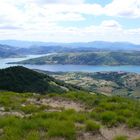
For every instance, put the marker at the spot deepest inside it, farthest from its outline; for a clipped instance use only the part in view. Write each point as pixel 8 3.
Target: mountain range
pixel 94 44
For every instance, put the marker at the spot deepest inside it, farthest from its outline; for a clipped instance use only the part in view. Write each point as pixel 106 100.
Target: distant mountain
pixel 7 51
pixel 93 58
pixel 26 44
pixel 21 79
pixel 87 45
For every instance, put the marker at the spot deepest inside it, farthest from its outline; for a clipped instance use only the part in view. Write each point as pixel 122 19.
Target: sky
pixel 70 20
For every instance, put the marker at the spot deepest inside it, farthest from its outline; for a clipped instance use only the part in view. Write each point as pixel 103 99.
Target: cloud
pixel 9 27
pixel 41 20
pixel 122 8
pixel 110 24
pixel 60 1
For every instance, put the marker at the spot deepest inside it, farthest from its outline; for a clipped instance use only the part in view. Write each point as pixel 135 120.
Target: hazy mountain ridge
pixel 10 48
pixel 7 51
pixel 93 44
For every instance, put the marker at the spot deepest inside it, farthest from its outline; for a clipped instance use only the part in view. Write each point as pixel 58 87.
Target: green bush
pixel 28 109
pixel 33 135
pixel 134 122
pixel 63 129
pixel 121 119
pixel 108 118
pixel 92 126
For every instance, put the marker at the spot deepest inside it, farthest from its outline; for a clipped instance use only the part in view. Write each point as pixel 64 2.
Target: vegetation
pixel 21 79
pixel 120 138
pixel 89 58
pixel 92 126
pixel 108 83
pixel 30 117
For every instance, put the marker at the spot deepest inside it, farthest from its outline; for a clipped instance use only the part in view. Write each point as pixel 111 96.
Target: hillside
pixel 70 116
pixel 108 83
pixel 93 58
pixel 21 79
pixel 7 51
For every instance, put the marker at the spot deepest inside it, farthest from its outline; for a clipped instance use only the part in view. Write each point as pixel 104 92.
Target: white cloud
pixel 38 20
pixel 122 8
pixel 110 24
pixel 59 1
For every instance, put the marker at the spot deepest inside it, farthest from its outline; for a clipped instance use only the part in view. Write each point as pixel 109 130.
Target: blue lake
pixel 69 68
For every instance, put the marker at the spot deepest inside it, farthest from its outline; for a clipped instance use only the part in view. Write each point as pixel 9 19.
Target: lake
pixel 68 68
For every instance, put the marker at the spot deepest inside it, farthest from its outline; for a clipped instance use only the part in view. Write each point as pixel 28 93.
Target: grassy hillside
pixel 70 116
pixel 93 58
pixel 109 83
pixel 21 79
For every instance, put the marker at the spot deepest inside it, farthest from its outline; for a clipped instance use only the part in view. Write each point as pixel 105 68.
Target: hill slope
pixel 21 79
pixel 7 51
pixel 70 116
pixel 108 83
pixel 93 58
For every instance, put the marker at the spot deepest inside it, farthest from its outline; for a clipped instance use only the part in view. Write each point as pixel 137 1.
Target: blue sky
pixel 70 20
pixel 101 2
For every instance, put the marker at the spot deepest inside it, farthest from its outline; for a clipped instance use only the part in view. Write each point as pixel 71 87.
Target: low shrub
pixel 92 126
pixel 108 118
pixel 64 129
pixel 120 138
pixel 133 122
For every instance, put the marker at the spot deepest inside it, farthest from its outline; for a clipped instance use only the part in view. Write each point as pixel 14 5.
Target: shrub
pixel 108 118
pixel 121 119
pixel 94 115
pixel 133 122
pixel 28 109
pixel 92 126
pixel 80 118
pixel 33 135
pixel 125 112
pixel 120 138
pixel 63 129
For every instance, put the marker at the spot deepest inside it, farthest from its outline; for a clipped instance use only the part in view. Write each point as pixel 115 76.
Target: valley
pixel 108 83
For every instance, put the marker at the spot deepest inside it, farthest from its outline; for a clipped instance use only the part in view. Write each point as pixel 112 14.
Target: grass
pixel 100 111
pixel 64 129
pixel 108 118
pixel 92 126
pixel 120 138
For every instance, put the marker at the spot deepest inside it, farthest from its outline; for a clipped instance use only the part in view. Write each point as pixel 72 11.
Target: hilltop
pixel 21 79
